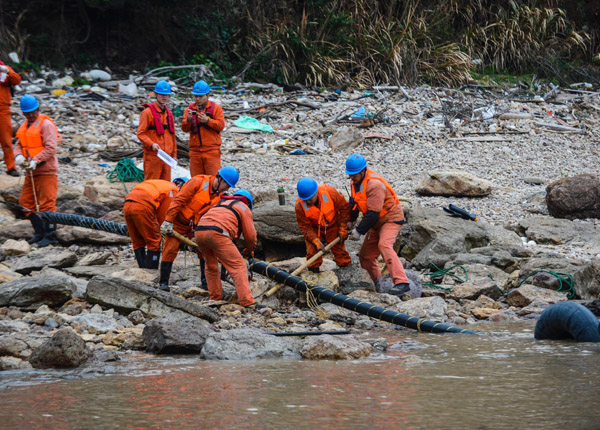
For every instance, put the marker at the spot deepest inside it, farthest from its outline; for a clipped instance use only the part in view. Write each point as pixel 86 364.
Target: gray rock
pixel 14 326
pixel 527 294
pixel 17 230
pixel 64 350
pixel 431 308
pixel 95 323
pixel 13 363
pixel 81 284
pixel 126 296
pixel 68 235
pixel 345 138
pixel 453 182
pixel 137 317
pixel 249 344
pixel 385 284
pixel 45 257
pixel 18 345
pixel 168 336
pixel 96 270
pixel 574 197
pixel 553 231
pixel 31 293
pixel 328 347
pixel 352 278
pixel 534 180
pixel 473 289
pixel 277 223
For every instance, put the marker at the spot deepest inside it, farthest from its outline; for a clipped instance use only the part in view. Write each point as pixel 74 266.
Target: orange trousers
pixel 171 244
pixel 382 242
pixel 143 227
pixel 155 168
pixel 6 141
pixel 46 189
pixel 205 162
pixel 215 248
pixel 340 255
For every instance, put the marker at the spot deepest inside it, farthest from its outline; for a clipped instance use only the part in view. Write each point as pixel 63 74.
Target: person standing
pixel 36 151
pixel 145 210
pixel 156 131
pixel 382 219
pixel 195 198
pixel 8 79
pixel 322 214
pixel 216 234
pixel 204 120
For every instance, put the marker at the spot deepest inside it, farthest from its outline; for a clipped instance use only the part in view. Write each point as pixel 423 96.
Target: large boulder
pixel 553 231
pixel 430 308
pixel 126 297
pixel 45 257
pixel 345 138
pixel 31 293
pixel 453 182
pixel 64 350
pixel 574 197
pixel 68 235
pixel 95 323
pixel 433 236
pixel 277 223
pixel 473 289
pixel 352 278
pixel 328 347
pixel 176 336
pixel 110 194
pixel 249 344
pixel 527 294
pixel 17 230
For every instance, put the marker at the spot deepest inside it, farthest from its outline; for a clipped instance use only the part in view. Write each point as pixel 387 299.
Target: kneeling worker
pixel 322 214
pixel 215 235
pixel 196 197
pixel 145 210
pixel 382 219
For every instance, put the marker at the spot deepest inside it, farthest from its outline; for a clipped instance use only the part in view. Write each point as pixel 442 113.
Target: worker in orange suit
pixel 156 131
pixel 382 219
pixel 195 198
pixel 8 79
pixel 322 214
pixel 216 234
pixel 204 120
pixel 145 210
pixel 36 151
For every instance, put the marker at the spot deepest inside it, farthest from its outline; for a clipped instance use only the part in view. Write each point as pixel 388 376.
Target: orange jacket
pixel 146 132
pixel 332 214
pixel 156 194
pixel 28 145
pixel 221 216
pixel 210 135
pixel 194 199
pixel 361 199
pixel 12 78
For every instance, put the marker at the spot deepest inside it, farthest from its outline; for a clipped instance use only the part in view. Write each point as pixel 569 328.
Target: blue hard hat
pixel 355 163
pixel 29 103
pixel 181 179
pixel 200 88
pixel 162 87
pixel 229 175
pixel 307 187
pixel 245 193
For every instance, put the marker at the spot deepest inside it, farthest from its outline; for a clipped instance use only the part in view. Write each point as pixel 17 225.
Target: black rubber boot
pixel 140 257
pixel 314 269
pixel 152 259
pixel 400 289
pixel 49 236
pixel 38 228
pixel 165 274
pixel 204 284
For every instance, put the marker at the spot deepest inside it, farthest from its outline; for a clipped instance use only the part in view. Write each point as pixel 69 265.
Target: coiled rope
pixel 565 280
pixel 440 273
pixel 125 171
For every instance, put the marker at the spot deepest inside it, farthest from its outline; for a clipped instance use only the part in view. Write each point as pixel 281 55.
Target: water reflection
pixel 424 381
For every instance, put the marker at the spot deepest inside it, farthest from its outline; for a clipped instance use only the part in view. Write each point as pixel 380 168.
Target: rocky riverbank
pixel 493 153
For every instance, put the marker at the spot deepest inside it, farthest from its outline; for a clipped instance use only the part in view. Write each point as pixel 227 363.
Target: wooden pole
pixel 184 239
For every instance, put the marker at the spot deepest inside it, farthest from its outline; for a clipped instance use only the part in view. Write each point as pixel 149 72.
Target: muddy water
pixel 423 381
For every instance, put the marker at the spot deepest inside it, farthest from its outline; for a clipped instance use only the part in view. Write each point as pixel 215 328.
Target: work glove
pixel 32 165
pixel 19 159
pixel 319 244
pixel 166 227
pixel 355 235
pixel 343 233
pixel 3 69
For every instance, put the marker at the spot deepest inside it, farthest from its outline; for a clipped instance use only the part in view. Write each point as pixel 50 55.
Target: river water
pixel 423 381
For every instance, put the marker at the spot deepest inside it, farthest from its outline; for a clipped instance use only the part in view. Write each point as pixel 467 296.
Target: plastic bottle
pixel 281 196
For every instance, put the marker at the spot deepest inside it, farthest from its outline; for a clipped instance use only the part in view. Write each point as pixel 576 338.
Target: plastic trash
pixel 103 164
pixel 167 159
pixel 216 87
pixel 99 75
pixel 250 123
pixel 14 57
pixel 298 152
pixel 58 92
pixel 130 89
pixel 359 113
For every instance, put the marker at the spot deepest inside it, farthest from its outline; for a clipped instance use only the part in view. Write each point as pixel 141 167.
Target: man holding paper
pixel 156 131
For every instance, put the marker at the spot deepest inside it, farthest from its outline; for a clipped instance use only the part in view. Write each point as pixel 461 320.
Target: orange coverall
pixel 144 214
pixel 6 132
pixel 217 247
pixel 182 224
pixel 45 174
pixel 205 148
pixel 154 167
pixel 381 237
pixel 325 234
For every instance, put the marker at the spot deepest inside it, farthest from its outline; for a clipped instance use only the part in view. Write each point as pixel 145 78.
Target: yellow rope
pixel 313 304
